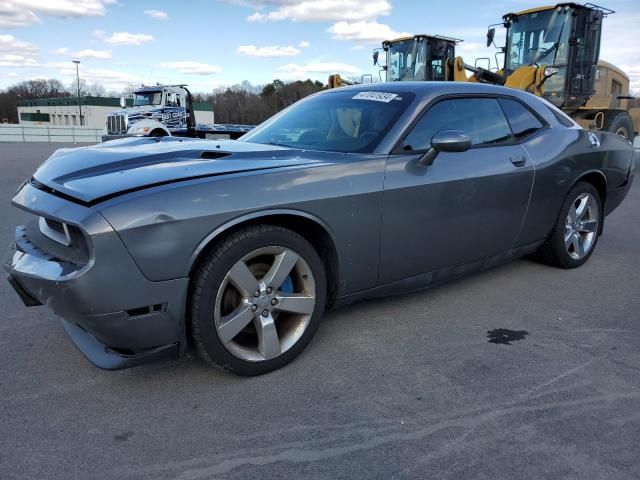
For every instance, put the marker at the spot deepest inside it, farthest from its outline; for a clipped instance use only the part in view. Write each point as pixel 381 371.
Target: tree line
pixel 242 103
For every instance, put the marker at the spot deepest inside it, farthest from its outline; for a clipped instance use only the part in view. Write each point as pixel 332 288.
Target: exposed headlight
pixel 56 231
pixel 66 235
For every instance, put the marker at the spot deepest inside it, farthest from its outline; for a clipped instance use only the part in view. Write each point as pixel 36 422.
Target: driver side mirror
pixel 446 141
pixel 491 33
pixel 376 54
pixel 123 102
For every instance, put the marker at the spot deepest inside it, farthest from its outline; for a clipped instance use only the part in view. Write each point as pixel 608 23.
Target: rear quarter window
pixel 560 117
pixel 523 123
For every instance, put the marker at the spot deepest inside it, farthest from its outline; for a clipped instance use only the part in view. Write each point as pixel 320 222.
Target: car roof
pixel 427 91
pixel 429 88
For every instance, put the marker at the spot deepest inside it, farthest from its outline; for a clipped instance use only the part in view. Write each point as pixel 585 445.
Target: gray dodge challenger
pixel 144 245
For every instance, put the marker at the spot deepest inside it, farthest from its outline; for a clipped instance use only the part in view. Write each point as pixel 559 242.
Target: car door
pixel 465 206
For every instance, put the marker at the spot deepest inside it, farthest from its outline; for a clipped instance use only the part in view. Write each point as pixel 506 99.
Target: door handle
pixel 518 161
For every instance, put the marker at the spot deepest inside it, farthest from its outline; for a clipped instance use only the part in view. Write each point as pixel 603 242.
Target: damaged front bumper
pixel 115 316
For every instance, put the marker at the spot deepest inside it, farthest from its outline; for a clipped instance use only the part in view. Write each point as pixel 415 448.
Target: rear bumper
pixel 114 315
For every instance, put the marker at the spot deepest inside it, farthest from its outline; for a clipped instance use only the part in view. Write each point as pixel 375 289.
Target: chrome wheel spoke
pixel 568 238
pixel 268 341
pixel 295 303
pixel 232 324
pixel 581 209
pixel 280 270
pixel 242 278
pixel 575 243
pixel 589 226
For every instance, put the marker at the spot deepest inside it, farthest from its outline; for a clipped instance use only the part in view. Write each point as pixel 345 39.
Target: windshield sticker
pixel 375 96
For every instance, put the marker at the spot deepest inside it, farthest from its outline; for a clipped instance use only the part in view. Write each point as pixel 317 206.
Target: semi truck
pixel 163 110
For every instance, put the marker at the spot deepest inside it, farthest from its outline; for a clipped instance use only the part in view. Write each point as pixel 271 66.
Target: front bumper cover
pixel 114 315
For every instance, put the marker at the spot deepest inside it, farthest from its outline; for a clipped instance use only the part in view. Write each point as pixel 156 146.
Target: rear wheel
pixel 257 300
pixel 621 124
pixel 575 234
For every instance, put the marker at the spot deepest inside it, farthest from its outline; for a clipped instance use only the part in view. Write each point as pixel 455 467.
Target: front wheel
pixel 575 235
pixel 257 299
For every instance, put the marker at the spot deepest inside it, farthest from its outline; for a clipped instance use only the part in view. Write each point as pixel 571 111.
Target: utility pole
pixel 77 62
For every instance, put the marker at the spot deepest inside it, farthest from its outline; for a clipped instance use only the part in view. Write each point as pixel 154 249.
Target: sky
pixel 214 43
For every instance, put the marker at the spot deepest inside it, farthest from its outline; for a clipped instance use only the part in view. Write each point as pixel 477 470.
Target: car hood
pixel 90 174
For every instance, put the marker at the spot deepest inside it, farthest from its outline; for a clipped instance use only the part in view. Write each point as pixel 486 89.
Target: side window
pixel 522 121
pixel 480 118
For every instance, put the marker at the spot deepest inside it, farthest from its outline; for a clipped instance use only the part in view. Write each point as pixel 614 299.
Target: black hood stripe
pixel 139 162
pixel 45 188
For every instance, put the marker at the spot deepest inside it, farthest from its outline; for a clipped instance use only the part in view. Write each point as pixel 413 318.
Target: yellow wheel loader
pixel 552 52
pixel 418 57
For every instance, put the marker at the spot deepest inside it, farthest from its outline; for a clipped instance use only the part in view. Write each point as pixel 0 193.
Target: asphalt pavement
pixel 408 387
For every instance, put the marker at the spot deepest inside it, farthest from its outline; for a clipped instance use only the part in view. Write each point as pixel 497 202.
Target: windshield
pixel 147 98
pixel 340 121
pixel 539 37
pixel 406 60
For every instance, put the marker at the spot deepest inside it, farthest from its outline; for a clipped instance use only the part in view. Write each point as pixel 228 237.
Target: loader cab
pixel 565 39
pixel 421 57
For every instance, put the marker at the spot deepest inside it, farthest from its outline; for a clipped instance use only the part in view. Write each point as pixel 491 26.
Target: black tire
pixel 158 133
pixel 209 276
pixel 553 251
pixel 621 124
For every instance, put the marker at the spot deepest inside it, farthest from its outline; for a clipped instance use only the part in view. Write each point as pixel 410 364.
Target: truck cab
pixel 156 111
pixel 418 57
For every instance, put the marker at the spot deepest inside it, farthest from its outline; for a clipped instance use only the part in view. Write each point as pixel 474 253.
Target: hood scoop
pixel 213 155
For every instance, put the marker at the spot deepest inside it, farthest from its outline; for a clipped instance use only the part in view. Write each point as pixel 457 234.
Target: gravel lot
pixel 400 388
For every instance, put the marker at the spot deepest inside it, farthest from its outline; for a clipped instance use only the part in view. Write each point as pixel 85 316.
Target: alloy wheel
pixel 265 303
pixel 581 226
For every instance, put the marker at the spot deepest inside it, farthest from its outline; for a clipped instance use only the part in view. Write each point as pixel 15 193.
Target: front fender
pixel 144 128
pixel 248 217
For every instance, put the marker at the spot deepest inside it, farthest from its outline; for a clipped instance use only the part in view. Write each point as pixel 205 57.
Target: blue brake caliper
pixel 287 285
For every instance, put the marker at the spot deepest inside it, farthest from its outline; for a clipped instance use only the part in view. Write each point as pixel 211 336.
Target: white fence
pixel 22 133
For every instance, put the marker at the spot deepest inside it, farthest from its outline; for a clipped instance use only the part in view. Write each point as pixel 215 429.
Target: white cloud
pixel 86 53
pixel 294 71
pixel 90 53
pixel 12 74
pixel 157 14
pixel 633 71
pixel 191 68
pixel 99 33
pixel 364 32
pixel 322 10
pixel 19 13
pixel 60 51
pixel 110 79
pixel 19 61
pixel 12 15
pixel 470 46
pixel 17 53
pixel 304 44
pixel 269 51
pixel 126 38
pixel 10 44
